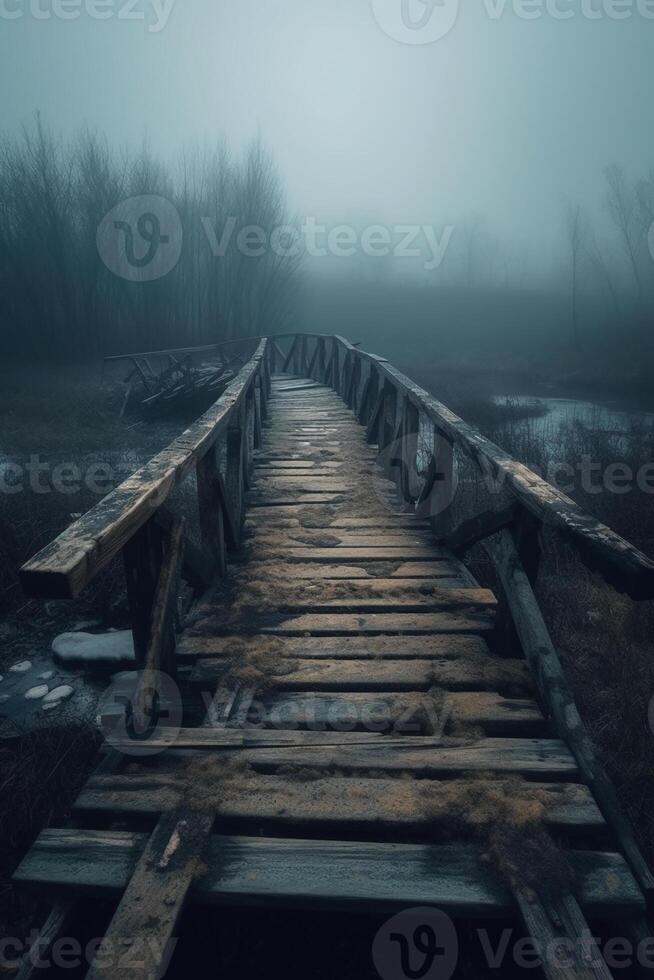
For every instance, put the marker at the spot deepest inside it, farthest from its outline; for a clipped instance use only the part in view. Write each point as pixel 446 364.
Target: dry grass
pixel 41 774
pixel 506 815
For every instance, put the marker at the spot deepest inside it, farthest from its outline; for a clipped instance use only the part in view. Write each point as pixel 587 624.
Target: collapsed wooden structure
pixel 164 379
pixel 339 634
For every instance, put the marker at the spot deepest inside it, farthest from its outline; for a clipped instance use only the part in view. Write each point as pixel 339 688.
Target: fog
pixel 498 130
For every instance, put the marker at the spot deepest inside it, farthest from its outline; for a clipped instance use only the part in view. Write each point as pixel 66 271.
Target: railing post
pixel 311 370
pixel 322 368
pixel 526 533
pixel 335 379
pixel 442 493
pixel 248 444
pixel 234 487
pixel 303 360
pixel 409 451
pixel 258 401
pixel 142 556
pixel 290 361
pixel 386 431
pixel 212 521
pixel 373 423
pixel 354 380
pixel 297 344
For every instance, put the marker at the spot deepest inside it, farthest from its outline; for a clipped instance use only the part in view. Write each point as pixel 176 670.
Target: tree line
pixel 61 298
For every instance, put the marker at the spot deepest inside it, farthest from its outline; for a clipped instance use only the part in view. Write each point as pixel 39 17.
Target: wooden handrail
pixel 389 404
pixel 622 564
pixel 68 564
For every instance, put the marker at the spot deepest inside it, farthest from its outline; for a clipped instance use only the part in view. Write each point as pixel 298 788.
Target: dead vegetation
pixel 506 817
pixel 41 774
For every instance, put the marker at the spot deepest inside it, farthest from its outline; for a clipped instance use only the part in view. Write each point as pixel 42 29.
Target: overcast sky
pixel 502 114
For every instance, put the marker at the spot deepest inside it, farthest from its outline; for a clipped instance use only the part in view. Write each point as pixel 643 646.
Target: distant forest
pixel 58 298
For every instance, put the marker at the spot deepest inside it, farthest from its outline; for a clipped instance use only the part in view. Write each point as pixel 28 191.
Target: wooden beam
pixel 154 898
pixel 471 532
pixel 556 694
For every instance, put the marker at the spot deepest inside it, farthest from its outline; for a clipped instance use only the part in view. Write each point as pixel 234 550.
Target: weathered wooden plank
pixel 154 897
pixel 531 758
pixel 322 674
pixel 338 538
pixel 289 498
pixel 323 624
pixel 450 652
pixel 354 554
pixel 365 587
pixel 421 713
pixel 249 870
pixel 435 598
pixel 342 802
pixel 442 573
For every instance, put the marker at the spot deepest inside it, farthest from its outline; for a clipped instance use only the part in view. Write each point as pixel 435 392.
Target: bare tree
pixel 622 206
pixel 576 232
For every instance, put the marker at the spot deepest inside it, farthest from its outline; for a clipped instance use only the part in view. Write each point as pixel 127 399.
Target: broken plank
pixel 154 897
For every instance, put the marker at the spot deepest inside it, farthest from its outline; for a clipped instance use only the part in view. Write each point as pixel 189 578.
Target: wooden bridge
pixel 371 729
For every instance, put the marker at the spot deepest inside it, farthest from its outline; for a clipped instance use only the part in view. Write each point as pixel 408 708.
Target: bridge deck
pixel 360 728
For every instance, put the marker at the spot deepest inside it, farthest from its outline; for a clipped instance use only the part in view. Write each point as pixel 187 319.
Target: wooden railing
pixel 133 519
pixel 395 409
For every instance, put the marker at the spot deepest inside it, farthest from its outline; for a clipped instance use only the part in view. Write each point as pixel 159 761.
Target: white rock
pixel 46 675
pixel 94 648
pixel 36 693
pixel 21 667
pixel 57 695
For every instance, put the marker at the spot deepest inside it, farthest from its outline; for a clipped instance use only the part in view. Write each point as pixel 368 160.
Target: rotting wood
pixel 556 694
pixel 341 655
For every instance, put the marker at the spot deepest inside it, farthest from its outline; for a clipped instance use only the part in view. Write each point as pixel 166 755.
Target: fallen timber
pixel 164 379
pixel 338 632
